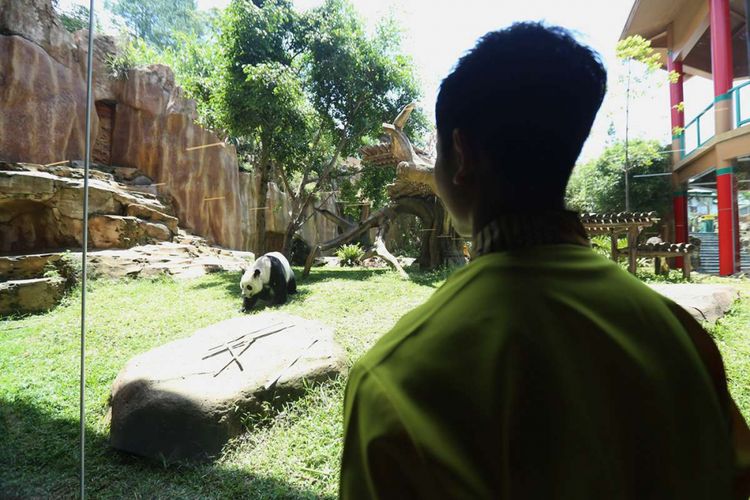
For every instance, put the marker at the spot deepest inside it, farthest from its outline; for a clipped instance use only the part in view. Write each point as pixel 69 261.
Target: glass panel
pixel 703 221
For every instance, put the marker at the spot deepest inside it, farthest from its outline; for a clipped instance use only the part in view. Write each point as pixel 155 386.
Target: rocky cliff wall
pixel 155 131
pixel 148 124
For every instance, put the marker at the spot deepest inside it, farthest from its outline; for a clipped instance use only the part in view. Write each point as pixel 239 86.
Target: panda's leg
pixel 249 302
pixel 291 287
pixel 278 282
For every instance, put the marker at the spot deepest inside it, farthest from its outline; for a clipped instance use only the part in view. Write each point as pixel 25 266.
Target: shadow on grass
pixel 320 274
pixel 230 282
pixel 39 458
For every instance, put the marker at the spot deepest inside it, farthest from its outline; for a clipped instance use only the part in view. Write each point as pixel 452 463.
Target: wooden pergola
pixel 630 225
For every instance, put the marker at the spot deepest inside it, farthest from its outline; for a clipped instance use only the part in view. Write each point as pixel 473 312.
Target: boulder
pixel 157 231
pixel 705 302
pixel 116 231
pixel 186 399
pixel 30 295
pixel 152 215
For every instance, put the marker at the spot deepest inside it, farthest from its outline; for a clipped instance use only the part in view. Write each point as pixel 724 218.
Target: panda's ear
pixel 256 273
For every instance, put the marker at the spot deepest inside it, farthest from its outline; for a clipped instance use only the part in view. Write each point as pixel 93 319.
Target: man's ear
pixel 464 157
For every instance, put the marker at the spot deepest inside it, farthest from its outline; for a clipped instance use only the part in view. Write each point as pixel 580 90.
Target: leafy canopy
pixel 597 185
pixel 156 21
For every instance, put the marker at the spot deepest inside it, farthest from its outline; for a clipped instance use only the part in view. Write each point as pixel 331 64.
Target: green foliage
pixel 67 267
pixel 157 21
pixel 196 64
pixel 76 18
pixel 598 185
pixel 350 255
pixel 302 89
pixel 636 48
pixel 602 245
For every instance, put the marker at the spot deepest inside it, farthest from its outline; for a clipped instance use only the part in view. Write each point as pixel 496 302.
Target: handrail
pixel 695 121
pixel 734 93
pixel 738 121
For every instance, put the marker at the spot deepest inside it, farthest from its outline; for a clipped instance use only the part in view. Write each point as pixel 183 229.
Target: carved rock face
pixel 186 399
pixel 41 210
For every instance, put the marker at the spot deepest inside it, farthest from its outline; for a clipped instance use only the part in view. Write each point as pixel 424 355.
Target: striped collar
pixel 513 231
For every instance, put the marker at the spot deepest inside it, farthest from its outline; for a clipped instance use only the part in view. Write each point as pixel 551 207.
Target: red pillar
pixel 679 195
pixel 721 47
pixel 676 94
pixel 726 199
pixel 721 67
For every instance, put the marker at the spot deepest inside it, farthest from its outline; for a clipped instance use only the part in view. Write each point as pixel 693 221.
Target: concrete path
pixel 704 302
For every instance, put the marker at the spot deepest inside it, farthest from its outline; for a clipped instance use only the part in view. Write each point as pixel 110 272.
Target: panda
pixel 269 278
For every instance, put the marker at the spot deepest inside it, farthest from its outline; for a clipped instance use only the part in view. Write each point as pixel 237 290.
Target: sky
pixel 438 32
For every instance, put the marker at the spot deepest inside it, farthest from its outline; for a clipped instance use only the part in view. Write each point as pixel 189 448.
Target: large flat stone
pixel 704 301
pixel 186 399
pixel 30 296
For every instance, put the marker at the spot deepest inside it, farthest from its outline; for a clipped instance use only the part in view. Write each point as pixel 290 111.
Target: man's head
pixel 512 118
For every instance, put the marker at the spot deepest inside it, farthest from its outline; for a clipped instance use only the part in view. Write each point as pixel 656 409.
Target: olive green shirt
pixel 543 371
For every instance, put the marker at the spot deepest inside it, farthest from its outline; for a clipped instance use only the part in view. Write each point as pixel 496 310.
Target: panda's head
pixel 251 282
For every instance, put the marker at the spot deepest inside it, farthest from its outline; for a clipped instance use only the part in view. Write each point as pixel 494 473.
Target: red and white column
pixel 726 186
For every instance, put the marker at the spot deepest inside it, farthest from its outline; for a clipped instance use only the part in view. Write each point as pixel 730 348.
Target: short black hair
pixel 526 96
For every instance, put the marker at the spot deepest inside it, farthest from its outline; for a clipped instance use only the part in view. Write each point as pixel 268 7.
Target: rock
pixel 115 231
pixel 35 20
pixel 186 399
pixel 157 231
pixel 141 180
pixel 20 267
pixel 43 111
pixel 180 260
pixel 41 211
pixel 152 215
pixel 706 303
pixel 30 295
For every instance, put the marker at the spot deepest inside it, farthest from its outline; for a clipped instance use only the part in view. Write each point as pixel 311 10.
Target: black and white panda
pixel 270 278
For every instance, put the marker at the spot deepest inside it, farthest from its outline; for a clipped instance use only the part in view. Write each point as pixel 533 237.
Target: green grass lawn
pixel 294 454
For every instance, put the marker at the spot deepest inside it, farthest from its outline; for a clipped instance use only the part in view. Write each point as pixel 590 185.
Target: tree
pixel 596 186
pixel 156 21
pixel 639 60
pixel 262 101
pixel 305 90
pixel 356 82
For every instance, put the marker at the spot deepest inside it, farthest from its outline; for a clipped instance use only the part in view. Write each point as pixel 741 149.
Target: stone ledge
pixel 31 295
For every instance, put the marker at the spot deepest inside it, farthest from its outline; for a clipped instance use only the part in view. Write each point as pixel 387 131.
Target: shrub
pixel 350 255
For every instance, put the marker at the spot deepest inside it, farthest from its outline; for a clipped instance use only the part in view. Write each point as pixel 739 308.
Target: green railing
pixel 698 131
pixel 741 103
pixel 702 128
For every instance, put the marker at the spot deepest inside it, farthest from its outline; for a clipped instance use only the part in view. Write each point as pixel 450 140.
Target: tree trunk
pixel 265 172
pixel 441 247
pixel 298 214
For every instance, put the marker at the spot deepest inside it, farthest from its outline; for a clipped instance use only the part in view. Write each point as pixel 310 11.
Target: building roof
pixel 685 23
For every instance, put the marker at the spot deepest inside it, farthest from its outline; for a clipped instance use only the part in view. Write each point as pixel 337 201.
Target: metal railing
pixel 702 128
pixel 741 96
pixel 698 131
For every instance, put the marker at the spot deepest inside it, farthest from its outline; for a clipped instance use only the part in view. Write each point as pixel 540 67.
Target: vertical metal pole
pixel 747 43
pixel 86 165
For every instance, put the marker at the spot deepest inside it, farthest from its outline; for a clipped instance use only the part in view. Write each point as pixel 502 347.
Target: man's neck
pixel 482 217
